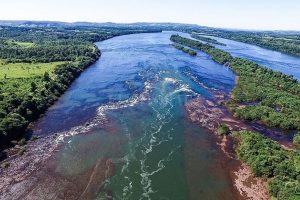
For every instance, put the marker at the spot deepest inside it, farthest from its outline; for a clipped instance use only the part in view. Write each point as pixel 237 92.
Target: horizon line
pixel 137 22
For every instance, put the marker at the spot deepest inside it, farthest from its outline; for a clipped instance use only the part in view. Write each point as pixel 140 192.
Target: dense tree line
pixel 265 95
pixel 286 43
pixel 268 159
pixel 22 100
pixel 273 98
pixel 206 39
pixel 66 34
pixel 189 51
pixel 216 54
pixel 19 109
pixel 51 45
pixel 43 53
pixel 261 94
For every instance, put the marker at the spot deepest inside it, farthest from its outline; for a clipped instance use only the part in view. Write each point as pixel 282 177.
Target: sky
pixel 239 14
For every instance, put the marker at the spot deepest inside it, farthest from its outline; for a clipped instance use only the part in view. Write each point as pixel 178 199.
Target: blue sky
pixel 245 14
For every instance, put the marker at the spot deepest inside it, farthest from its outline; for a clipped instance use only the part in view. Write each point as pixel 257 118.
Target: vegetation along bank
pixel 273 99
pixel 37 65
pixel 285 42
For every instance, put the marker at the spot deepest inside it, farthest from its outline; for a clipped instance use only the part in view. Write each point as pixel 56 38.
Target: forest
pixel 260 94
pixel 264 95
pixel 185 50
pixel 37 65
pixel 268 159
pixel 206 39
pixel 216 54
pixel 272 98
pixel 282 42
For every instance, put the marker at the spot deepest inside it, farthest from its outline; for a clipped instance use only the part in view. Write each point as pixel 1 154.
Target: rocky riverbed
pixel 209 114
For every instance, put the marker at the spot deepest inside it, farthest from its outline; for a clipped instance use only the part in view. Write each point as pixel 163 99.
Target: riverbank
pixel 144 144
pixel 41 72
pixel 208 114
pixel 36 168
pixel 269 96
pixel 37 160
pixel 267 100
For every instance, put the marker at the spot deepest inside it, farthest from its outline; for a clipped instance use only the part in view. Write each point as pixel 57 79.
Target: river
pixel 132 139
pixel 275 60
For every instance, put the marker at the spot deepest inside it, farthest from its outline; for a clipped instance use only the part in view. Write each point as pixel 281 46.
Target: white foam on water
pixel 101 113
pixel 151 139
pixel 45 149
pixel 180 87
pixel 170 80
pixel 163 115
pixel 184 88
pixel 137 98
pixel 195 79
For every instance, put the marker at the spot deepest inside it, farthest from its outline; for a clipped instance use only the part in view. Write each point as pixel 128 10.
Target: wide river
pixel 141 145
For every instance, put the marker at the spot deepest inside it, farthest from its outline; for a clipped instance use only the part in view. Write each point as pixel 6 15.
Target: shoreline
pixel 205 113
pixel 92 61
pixel 209 115
pixel 40 115
pixel 38 153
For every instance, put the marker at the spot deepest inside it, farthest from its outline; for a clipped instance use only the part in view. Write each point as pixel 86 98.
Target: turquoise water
pixel 127 62
pixel 151 145
pixel 139 88
pixel 141 145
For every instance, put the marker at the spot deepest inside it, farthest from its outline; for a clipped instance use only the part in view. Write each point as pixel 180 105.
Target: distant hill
pixel 138 25
pixel 164 26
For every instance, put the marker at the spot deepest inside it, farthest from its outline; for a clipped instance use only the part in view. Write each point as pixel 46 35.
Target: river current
pixel 141 145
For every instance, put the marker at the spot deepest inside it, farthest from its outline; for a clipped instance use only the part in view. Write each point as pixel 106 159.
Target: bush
pixel 13 124
pixel 223 129
pixel 296 139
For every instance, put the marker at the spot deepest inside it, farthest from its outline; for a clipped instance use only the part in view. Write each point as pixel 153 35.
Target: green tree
pixel 33 86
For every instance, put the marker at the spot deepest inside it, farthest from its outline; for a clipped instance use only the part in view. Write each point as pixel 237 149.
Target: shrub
pixel 296 139
pixel 223 129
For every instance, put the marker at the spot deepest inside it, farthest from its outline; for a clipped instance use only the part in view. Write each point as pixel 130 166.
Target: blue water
pixel 139 88
pixel 141 145
pixel 284 63
pixel 126 63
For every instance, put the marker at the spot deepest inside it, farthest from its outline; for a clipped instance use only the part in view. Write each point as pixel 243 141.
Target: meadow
pixel 26 70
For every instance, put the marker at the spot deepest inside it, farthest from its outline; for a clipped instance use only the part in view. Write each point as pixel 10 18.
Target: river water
pixel 141 145
pixel 277 61
pixel 139 88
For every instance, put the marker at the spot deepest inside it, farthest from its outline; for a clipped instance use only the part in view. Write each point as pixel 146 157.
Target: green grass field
pixel 21 44
pixel 26 70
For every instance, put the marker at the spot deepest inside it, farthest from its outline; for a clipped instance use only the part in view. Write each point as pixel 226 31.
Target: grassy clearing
pixel 20 44
pixel 24 44
pixel 26 70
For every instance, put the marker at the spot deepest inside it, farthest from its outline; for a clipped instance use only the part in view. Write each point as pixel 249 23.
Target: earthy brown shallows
pixel 33 175
pixel 210 115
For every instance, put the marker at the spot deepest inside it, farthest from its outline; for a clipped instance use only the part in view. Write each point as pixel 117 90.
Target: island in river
pixel 125 130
